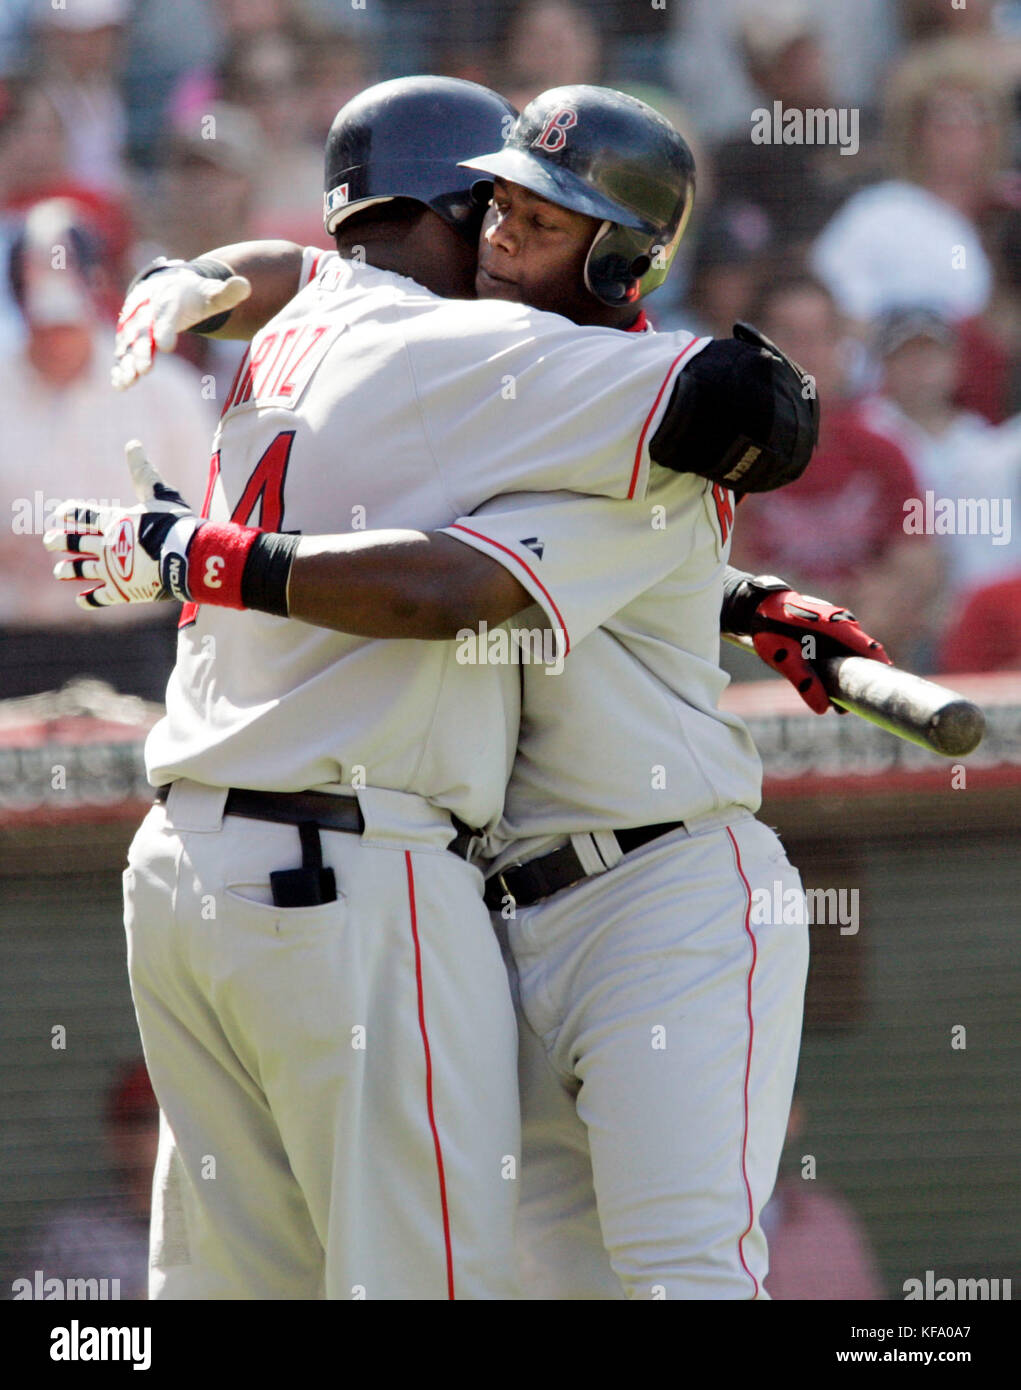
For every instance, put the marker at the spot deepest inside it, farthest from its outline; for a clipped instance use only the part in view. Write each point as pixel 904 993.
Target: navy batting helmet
pixel 610 156
pixel 403 139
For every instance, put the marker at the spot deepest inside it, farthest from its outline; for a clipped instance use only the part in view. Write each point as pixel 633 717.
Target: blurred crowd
pixel 104 1239
pixel 886 261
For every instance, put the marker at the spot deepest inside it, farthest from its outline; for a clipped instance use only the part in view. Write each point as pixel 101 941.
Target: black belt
pixel 540 878
pixel 319 808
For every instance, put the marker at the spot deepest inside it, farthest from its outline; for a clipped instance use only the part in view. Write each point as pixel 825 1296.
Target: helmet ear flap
pixel 618 265
pixel 625 264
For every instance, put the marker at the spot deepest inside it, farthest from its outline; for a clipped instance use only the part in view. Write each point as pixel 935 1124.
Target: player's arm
pixel 399 584
pixel 229 292
pixel 409 584
pixel 514 553
pixel 272 268
pixel 396 584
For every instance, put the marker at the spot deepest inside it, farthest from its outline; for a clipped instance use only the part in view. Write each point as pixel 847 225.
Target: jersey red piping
pixel 429 1077
pixel 648 419
pixel 748 1067
pixel 456 526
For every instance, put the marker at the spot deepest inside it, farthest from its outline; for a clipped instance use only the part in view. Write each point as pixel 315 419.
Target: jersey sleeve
pixel 583 559
pixel 568 409
pixel 313 258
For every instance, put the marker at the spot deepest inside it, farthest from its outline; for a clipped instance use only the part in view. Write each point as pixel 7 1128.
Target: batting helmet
pixel 610 156
pixel 403 139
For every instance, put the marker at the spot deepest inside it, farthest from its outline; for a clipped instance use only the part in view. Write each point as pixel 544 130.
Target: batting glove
pixel 163 302
pixel 128 555
pixel 779 620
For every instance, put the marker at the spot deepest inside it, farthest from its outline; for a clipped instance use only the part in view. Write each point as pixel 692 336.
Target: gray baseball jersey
pixel 629 731
pixel 371 403
pixel 659 1019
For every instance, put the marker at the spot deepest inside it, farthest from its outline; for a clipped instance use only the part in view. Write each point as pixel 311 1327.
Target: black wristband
pixel 267 569
pixel 153 268
pixel 742 594
pixel 211 269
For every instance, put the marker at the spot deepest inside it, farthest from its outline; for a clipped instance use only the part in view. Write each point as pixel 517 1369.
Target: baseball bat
pixel 918 710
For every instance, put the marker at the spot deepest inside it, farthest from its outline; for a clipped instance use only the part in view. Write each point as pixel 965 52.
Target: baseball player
pixel 561 801
pixel 661 1022
pixel 332 1044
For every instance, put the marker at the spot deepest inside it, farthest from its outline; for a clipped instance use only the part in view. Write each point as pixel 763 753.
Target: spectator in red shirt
pixel 986 634
pixel 839 530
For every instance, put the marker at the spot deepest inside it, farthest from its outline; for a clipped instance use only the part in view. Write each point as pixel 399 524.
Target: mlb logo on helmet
pixel 336 198
pixel 124 548
pixel 552 137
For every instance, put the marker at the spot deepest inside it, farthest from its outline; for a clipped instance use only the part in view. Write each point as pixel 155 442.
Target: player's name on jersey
pixel 279 364
pixel 512 646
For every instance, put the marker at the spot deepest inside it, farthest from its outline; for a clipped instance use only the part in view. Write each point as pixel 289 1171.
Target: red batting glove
pixel 780 622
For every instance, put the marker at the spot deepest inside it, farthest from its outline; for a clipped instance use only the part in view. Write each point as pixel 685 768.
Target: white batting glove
pixel 128 555
pixel 161 306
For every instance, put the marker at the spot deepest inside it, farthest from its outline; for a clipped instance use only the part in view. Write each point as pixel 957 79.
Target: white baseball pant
pixel 659 1042
pixel 338 1082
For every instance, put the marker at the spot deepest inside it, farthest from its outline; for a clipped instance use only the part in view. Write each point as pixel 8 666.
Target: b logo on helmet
pixel 553 136
pixel 124 549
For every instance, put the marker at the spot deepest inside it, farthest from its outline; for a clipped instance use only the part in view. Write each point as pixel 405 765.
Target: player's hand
pixel 782 621
pixel 160 307
pixel 127 555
